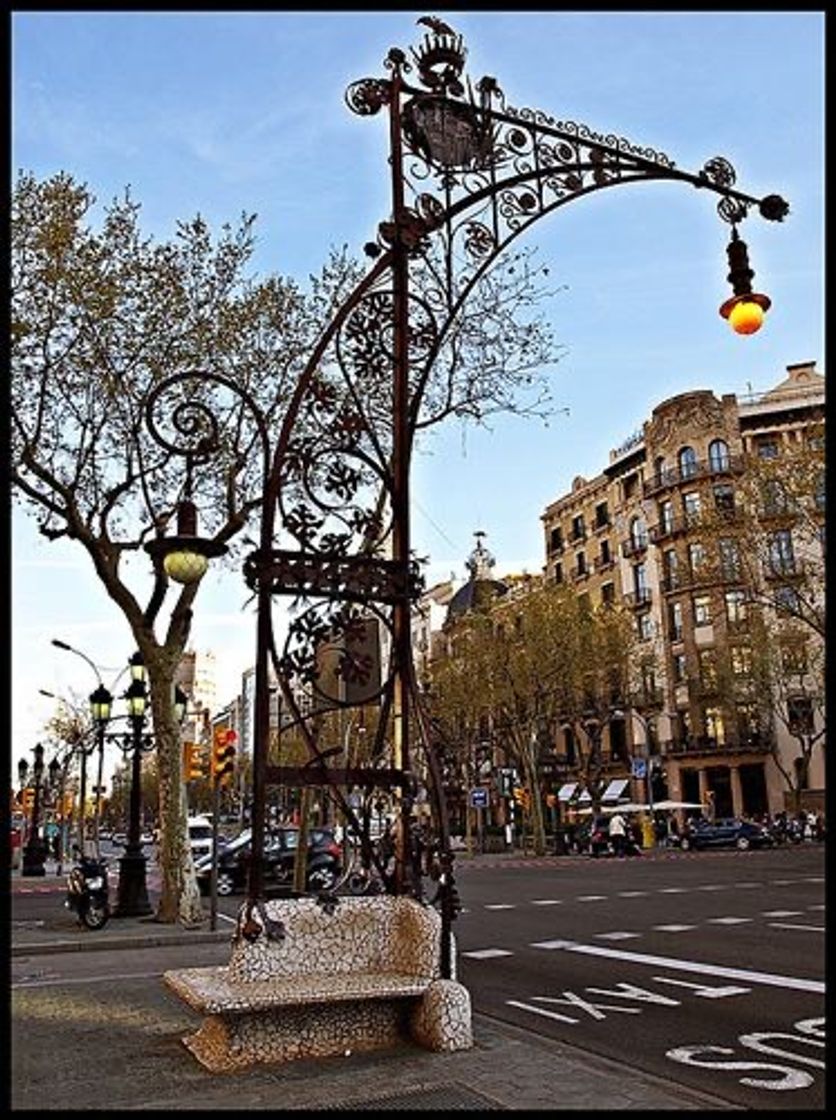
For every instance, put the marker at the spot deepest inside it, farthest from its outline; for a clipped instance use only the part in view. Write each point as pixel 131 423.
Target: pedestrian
pixel 618 833
pixel 660 829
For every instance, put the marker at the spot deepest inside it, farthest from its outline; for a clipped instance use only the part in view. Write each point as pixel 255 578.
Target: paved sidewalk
pixel 117 1046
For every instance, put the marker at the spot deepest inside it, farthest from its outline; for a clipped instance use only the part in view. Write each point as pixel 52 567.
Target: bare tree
pixel 100 315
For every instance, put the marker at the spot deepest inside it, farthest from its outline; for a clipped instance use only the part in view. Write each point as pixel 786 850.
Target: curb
pixel 129 941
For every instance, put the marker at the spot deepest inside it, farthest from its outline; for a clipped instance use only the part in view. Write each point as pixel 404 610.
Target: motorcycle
pixel 87 891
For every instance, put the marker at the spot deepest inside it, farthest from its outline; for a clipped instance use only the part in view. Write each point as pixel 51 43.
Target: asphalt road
pixel 705 968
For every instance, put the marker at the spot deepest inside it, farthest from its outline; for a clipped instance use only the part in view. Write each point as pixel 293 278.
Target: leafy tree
pixel 535 661
pixel 100 314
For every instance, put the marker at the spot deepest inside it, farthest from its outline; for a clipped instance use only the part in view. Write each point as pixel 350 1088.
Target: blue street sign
pixel 479 797
pixel 639 768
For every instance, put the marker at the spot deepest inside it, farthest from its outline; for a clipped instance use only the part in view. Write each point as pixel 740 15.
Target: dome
pixel 481 588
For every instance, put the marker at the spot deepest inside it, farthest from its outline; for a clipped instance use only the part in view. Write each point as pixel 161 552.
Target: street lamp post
pixel 468 175
pixel 35 850
pixel 100 702
pixel 132 896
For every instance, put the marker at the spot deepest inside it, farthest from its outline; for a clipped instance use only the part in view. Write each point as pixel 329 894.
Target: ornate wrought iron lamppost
pixel 132 896
pixel 469 174
pixel 35 850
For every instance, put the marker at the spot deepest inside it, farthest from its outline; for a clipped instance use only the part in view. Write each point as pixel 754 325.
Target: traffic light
pixel 522 797
pixel 223 753
pixel 194 763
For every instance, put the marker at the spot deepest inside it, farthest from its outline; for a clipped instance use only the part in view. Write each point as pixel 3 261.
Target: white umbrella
pixel 629 807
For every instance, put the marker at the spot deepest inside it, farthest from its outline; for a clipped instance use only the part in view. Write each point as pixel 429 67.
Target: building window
pixel 800 715
pixel 666 516
pixel 558 573
pixel 714 726
pixel 718 455
pixel 679 669
pixel 691 506
pixel 773 497
pixel 578 528
pixel 766 447
pixel 605 552
pixel 702 610
pixel 556 539
pixel 696 558
pixel 602 515
pixel 640 580
pixel 644 626
pixel 729 559
pixel 735 606
pixel 724 498
pixel 608 594
pixel 669 568
pixel 630 486
pixel 638 533
pixel 687 460
pixel 708 669
pixel 580 563
pixel 675 621
pixel 781 556
pixel 741 661
pixel 819 494
pixel 787 599
pixel 659 470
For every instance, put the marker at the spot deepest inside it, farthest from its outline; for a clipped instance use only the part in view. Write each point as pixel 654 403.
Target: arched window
pixel 718 455
pixel 687 462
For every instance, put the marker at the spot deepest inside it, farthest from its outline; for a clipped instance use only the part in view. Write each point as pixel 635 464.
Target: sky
pixel 221 113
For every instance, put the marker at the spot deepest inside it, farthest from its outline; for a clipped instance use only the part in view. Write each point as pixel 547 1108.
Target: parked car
pixel 324 861
pixel 726 832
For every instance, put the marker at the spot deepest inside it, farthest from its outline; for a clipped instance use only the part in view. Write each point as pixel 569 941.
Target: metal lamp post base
pixel 33 861
pixel 132 901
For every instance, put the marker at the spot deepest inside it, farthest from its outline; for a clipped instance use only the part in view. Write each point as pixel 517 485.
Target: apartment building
pixel 630 536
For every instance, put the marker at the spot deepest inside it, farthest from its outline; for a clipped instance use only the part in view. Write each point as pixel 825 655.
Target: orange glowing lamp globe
pixel 745 313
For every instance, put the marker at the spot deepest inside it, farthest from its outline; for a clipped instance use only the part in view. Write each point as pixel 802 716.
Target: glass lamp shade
pixel 100 702
pixel 136 699
pixel 746 317
pixel 137 666
pixel 184 566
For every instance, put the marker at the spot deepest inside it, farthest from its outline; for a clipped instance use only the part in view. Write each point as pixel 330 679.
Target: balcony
pixel 703 468
pixel 634 546
pixel 641 597
pixel 603 563
pixel 579 574
pixel 667 529
pixel 695 745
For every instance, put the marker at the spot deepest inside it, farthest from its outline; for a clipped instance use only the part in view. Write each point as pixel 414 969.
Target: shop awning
pixel 565 792
pixel 615 789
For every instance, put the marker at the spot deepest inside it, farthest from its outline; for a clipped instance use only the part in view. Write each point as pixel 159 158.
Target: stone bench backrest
pixel 380 934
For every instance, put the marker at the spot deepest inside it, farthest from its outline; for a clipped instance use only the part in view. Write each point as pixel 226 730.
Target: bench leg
pixel 442 1018
pixel 233 1041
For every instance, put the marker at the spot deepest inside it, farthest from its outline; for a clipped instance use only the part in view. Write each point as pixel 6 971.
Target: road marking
pixel 590 897
pixel 818 906
pixel 701 990
pixel 617 935
pixel 743 974
pixel 485 954
pixel 59 981
pixel 546 901
pixel 782 913
pixel 728 921
pixel 501 906
pixel 633 894
pixel 789 925
pixel 674 929
pixel 673 890
pixel 712 887
pixel 747 884
pixel 540 1011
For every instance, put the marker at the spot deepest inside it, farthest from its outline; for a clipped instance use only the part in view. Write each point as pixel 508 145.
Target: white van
pixel 199 830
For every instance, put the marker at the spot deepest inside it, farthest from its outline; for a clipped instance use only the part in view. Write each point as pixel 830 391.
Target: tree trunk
pixel 179 894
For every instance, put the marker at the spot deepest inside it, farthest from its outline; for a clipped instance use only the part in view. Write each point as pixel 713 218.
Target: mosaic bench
pixel 363 977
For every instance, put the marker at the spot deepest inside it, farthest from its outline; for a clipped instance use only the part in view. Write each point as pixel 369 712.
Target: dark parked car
pixel 727 832
pixel 324 861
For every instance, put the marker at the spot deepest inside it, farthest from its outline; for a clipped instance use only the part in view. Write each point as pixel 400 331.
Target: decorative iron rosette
pixel 368 96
